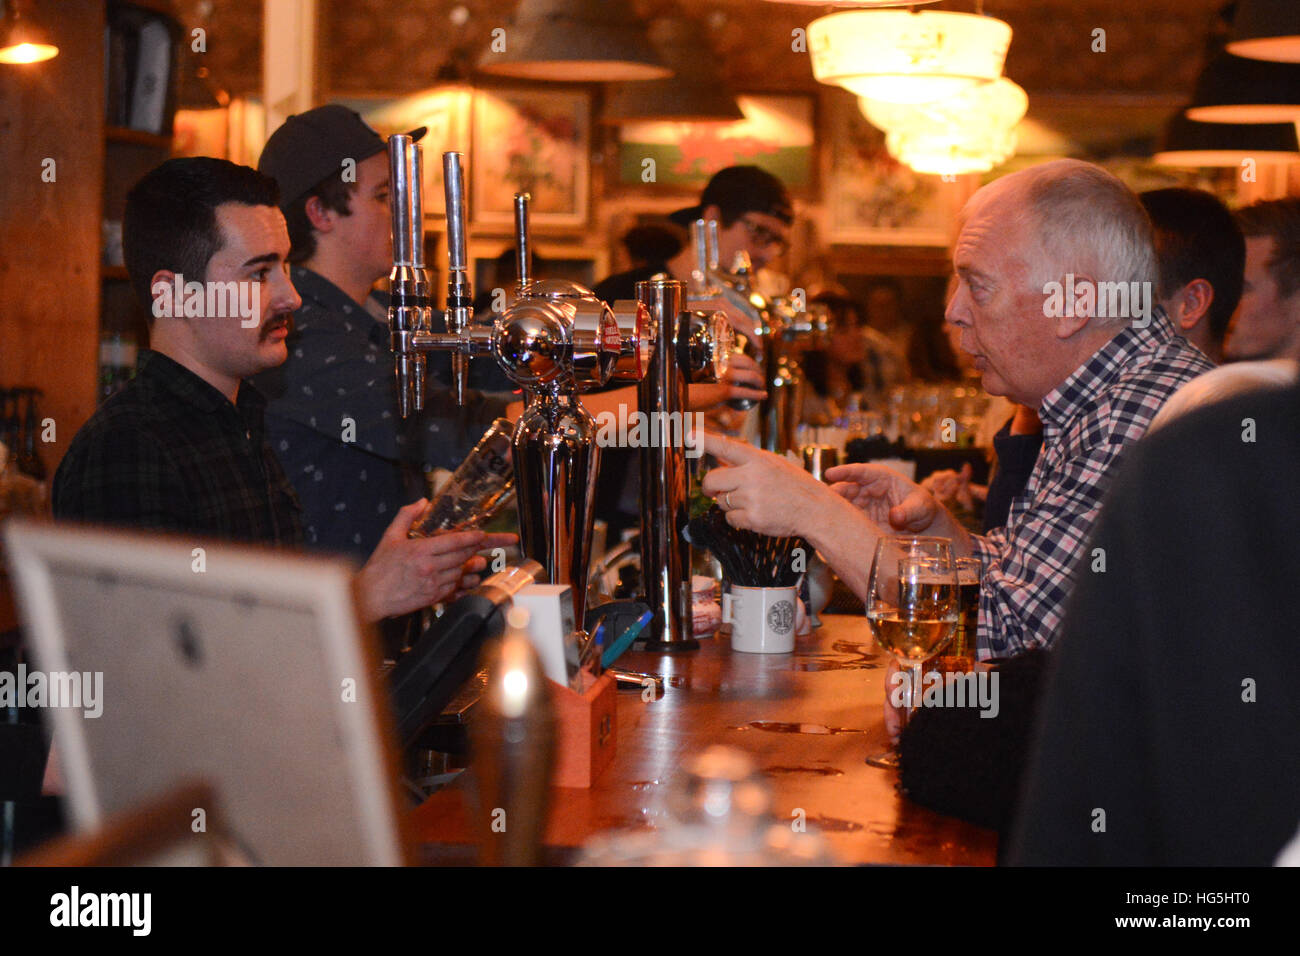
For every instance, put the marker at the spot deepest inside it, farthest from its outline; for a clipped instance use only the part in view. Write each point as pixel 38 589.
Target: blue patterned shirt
pixel 332 420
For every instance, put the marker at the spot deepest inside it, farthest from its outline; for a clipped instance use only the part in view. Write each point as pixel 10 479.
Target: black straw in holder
pixel 748 559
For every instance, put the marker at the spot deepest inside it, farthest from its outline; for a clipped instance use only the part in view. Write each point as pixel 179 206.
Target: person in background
pixel 857 362
pixel 651 244
pixel 1267 321
pixel 1254 311
pixel 754 214
pixel 1202 255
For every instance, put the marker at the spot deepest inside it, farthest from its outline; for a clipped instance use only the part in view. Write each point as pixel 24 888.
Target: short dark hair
pixel 334 194
pixel 171 217
pixel 1278 219
pixel 1197 238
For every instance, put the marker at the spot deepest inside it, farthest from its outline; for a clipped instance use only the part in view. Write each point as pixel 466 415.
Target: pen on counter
pixel 591 650
pixel 625 639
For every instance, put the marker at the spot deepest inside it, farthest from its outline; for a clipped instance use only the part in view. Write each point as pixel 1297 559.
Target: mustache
pixel 274 322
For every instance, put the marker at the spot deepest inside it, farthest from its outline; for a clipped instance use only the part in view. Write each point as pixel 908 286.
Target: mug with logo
pixel 762 619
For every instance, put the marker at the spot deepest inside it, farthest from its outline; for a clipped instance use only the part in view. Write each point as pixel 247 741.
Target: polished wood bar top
pixel 808 720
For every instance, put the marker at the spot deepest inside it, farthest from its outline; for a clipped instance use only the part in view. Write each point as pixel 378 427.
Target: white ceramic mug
pixel 762 619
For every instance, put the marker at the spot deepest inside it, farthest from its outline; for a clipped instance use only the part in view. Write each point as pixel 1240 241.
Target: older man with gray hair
pixel 1041 260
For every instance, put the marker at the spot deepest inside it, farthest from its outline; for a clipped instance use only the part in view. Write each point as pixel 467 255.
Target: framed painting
pixel 777 133
pixel 872 198
pixel 444 111
pixel 535 141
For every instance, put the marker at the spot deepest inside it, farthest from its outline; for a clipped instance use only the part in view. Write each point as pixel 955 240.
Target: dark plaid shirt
pixel 1088 421
pixel 170 452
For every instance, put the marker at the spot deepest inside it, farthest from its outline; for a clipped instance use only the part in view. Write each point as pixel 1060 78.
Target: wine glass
pixel 912 607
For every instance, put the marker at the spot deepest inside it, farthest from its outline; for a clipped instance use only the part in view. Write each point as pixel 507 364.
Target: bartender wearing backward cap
pixel 332 407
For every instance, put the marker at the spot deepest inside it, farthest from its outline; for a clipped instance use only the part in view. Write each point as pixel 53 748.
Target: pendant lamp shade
pixel 694 93
pixel 907 57
pixel 997 105
pixel 1189 143
pixel 1232 89
pixel 1266 30
pixel 953 152
pixel 577 41
pixel 21 40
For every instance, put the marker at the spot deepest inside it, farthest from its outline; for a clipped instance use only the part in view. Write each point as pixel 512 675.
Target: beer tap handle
pixel 460 296
pixel 523 243
pixel 711 244
pixel 408 311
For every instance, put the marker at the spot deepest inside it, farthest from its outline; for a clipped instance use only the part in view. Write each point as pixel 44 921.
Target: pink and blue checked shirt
pixel 1088 420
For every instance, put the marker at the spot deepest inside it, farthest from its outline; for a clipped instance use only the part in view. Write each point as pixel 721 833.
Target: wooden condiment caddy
pixel 586 730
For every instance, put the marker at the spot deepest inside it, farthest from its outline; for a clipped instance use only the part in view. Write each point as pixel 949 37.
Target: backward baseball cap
pixel 310 147
pixel 737 190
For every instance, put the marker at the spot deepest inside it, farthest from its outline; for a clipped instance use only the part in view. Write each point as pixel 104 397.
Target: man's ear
pixel 1080 305
pixel 319 215
pixel 162 290
pixel 1195 300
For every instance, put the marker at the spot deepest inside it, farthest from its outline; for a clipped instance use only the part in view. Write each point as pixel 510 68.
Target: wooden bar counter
pixel 808 719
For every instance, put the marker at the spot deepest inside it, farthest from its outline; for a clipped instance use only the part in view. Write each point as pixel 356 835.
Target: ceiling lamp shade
pixel 1266 30
pixel 1189 143
pixel 21 40
pixel 907 57
pixel 575 41
pixel 954 152
pixel 1232 89
pixel 997 105
pixel 694 93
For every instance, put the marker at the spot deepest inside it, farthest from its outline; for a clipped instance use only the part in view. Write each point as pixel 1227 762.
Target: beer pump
pixel 555 340
pixel 781 327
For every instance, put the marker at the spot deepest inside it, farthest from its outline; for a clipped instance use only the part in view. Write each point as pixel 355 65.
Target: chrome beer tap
pixel 409 310
pixel 780 327
pixel 688 347
pixel 556 340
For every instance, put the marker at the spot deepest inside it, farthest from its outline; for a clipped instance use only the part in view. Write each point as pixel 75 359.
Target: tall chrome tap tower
pixel 555 340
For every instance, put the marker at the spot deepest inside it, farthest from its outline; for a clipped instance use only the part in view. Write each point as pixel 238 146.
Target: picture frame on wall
pixel 443 111
pixel 535 141
pixel 778 133
pixel 873 199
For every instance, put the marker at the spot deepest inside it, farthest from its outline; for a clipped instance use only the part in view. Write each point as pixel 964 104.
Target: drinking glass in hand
pixel 478 488
pixel 912 606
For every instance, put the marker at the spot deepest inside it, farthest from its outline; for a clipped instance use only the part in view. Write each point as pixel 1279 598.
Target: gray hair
pixel 1086 222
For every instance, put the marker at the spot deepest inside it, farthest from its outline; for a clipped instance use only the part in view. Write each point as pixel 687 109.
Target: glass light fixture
pixel 953 152
pixel 1266 30
pixel 1000 104
pixel 21 40
pixel 907 56
pixel 971 132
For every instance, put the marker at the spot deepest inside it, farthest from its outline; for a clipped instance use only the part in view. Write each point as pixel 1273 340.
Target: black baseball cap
pixel 309 147
pixel 737 190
